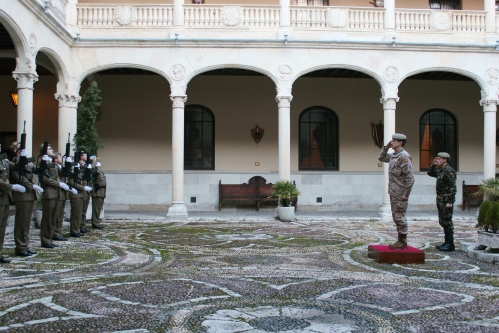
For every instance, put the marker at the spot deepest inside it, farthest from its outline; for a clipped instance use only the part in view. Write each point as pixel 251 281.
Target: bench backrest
pixel 239 190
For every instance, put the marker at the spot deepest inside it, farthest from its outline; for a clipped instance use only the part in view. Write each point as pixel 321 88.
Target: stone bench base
pixel 384 255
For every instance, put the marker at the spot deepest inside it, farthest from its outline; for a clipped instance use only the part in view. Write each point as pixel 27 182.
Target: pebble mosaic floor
pixel 247 277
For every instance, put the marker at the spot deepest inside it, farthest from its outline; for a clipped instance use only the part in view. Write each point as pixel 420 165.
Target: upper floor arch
pixel 243 67
pixel 473 76
pixel 17 38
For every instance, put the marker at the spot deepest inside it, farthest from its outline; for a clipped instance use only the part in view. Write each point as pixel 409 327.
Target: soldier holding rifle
pixel 5 189
pixel 86 170
pixel 98 194
pixel 77 182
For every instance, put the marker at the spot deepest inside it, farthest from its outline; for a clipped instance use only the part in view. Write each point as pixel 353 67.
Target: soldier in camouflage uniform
pixel 401 180
pixel 446 195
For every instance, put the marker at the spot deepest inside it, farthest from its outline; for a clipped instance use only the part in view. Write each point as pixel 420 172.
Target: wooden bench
pixel 469 198
pixel 255 191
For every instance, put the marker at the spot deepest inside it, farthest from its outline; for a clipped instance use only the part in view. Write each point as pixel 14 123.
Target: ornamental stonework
pixel 284 72
pixel 492 76
pixel 25 81
pixel 125 15
pixel 232 16
pixel 391 74
pixel 177 72
pixel 337 17
pixel 441 21
pixel 33 44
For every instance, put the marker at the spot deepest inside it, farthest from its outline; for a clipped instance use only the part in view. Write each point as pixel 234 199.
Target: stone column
pixel 178 210
pixel 68 106
pixel 284 104
pixel 390 15
pixel 489 138
pixel 25 82
pixel 490 20
pixel 389 107
pixel 285 14
pixel 178 14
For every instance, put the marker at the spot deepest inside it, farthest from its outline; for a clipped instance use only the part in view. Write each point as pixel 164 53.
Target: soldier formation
pixel 58 182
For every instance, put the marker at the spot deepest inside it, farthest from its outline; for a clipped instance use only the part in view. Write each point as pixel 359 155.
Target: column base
pixel 177 212
pixel 385 213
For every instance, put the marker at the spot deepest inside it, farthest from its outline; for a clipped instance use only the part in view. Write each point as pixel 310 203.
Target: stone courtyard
pixel 247 276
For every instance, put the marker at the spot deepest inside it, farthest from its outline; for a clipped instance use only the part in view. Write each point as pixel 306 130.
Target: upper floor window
pixel 312 2
pixel 199 138
pixel 438 133
pixel 318 148
pixel 445 4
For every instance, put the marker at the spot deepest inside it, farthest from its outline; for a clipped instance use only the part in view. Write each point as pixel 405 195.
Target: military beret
pixel 443 155
pixel 15 146
pixel 398 136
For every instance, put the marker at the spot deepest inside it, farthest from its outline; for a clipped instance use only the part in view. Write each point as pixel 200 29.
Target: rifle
pixel 42 170
pixel 66 170
pixel 88 172
pixel 23 160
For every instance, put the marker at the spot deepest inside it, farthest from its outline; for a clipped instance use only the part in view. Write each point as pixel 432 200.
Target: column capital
pixel 25 80
pixel 68 100
pixel 284 100
pixel 389 103
pixel 489 105
pixel 178 101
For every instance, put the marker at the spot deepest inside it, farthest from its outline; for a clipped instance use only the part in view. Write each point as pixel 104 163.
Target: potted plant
pixel 286 191
pixel 488 213
pixel 38 211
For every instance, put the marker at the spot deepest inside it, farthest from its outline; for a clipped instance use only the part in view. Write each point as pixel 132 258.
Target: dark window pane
pixel 318 148
pixel 199 137
pixel 437 134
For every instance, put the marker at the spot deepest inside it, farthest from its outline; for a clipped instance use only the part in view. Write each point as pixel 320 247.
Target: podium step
pixel 384 255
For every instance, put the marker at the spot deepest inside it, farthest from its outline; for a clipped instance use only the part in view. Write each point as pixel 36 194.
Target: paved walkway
pixel 252 276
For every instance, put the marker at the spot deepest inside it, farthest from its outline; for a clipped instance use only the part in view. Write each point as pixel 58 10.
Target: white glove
pixel 89 166
pixel 38 189
pixel 88 189
pixel 64 186
pixel 24 153
pixel 18 188
pixel 73 190
pixel 68 159
pixel 45 158
pixel 98 164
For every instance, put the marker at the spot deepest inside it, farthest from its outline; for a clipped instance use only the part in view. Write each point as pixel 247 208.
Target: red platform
pixel 384 255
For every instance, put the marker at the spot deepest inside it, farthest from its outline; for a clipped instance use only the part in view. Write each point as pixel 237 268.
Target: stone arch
pixel 370 73
pixel 20 42
pixel 93 70
pixel 240 66
pixel 60 69
pixel 481 83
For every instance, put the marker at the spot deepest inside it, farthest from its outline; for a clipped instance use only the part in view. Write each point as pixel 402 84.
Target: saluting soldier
pixel 24 202
pixel 51 182
pixel 401 180
pixel 98 194
pixel 5 189
pixel 446 195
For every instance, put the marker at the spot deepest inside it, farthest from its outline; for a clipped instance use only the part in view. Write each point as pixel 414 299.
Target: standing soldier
pixel 446 195
pixel 86 194
pixel 24 202
pixel 76 199
pixel 5 189
pixel 401 180
pixel 51 183
pixel 98 194
pixel 63 196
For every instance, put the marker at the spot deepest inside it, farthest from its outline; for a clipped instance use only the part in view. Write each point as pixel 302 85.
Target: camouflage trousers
pixel 399 207
pixel 445 216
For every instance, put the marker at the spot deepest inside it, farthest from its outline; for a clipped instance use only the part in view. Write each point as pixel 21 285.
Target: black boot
pixel 449 238
pixel 438 247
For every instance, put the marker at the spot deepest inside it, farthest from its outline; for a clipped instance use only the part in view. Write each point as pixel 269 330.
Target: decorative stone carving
pixel 68 100
pixel 28 65
pixel 337 17
pixel 389 103
pixel 441 20
pixel 178 101
pixel 25 80
pixel 177 72
pixel 232 16
pixel 391 74
pixel 284 72
pixel 33 44
pixel 125 15
pixel 284 101
pixel 492 76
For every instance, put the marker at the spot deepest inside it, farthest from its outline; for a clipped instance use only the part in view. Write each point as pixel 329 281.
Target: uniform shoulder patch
pixel 406 160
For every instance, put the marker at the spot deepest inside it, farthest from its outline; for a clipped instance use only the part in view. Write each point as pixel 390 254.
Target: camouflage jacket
pixel 401 176
pixel 446 183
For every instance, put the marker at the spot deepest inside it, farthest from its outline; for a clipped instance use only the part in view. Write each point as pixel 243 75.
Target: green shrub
pixel 482 212
pixel 285 191
pixel 492 216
